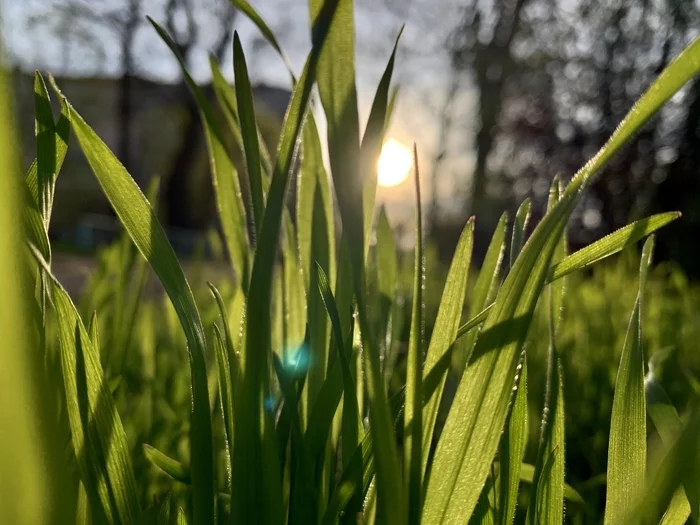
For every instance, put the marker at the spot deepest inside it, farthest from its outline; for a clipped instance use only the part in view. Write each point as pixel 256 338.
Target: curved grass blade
pixel 511 451
pixel 483 294
pixel 471 434
pixel 522 218
pixel 547 502
pixel 225 391
pixel 148 236
pixel 627 457
pixel 372 141
pixel 256 491
pixel 413 409
pixel 446 326
pixel 249 131
pixel 611 244
pixel 229 203
pixel 170 466
pixel 98 437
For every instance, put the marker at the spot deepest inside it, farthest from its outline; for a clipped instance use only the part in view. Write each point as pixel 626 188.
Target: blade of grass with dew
pixel 446 326
pixel 256 496
pixel 98 437
pixel 147 234
pixel 522 218
pixel 229 203
pixel 389 309
pixel 52 145
pixel 351 415
pixel 336 84
pixel 413 409
pixel 547 502
pixel 483 294
pixel 372 142
pixel 511 451
pixel 249 131
pixel 627 452
pixel 470 438
pixel 225 391
pixel 610 244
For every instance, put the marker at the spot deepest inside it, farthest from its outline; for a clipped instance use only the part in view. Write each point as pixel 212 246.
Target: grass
pixel 294 402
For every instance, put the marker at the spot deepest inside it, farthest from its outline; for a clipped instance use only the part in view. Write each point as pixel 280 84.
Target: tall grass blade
pixel 168 465
pixel 484 292
pixel 99 440
pixel 473 426
pixel 229 203
pixel 249 131
pixel 446 326
pixel 627 446
pixel 148 236
pixel 610 244
pixel 225 391
pixel 522 218
pixel 511 451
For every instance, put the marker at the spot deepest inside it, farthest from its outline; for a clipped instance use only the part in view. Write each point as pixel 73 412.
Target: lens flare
pixel 394 163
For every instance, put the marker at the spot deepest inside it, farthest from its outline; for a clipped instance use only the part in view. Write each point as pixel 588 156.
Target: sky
pixel 421 68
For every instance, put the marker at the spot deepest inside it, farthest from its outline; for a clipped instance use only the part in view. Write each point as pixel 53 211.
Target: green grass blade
pixel 543 481
pixel 665 480
pixel 249 131
pixel 229 203
pixel 148 236
pixel 413 409
pixel 181 518
pixel 522 218
pixel 527 475
pixel 470 438
pixel 256 490
pixel 386 274
pixel 372 141
pixel 483 513
pixel 336 83
pixel 164 512
pixel 610 244
pixel 225 391
pixel 446 326
pixel 393 97
pixel 254 17
pixel 98 437
pixel 627 445
pixel 168 465
pixel 511 451
pixel 484 291
pixel 51 144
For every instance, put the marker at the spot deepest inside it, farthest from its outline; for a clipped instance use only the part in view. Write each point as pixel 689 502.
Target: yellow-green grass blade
pixel 393 97
pixel 522 218
pixel 249 131
pixel 336 83
pixel 611 244
pixel 168 465
pixel 527 475
pixel 669 426
pixel 484 292
pixel 511 451
pixel 254 17
pixel 148 236
pixel 164 512
pixel 229 203
pixel 372 141
pixel 483 513
pixel 226 97
pixel 34 224
pixel 98 437
pixel 627 445
pixel 256 489
pixel 225 391
pixel 33 481
pixel 665 480
pixel 52 144
pixel 386 274
pixel 181 518
pixel 446 326
pixel 351 416
pixel 474 423
pixel 413 409
pixel 549 507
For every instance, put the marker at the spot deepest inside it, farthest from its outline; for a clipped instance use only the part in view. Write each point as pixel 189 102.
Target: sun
pixel 394 164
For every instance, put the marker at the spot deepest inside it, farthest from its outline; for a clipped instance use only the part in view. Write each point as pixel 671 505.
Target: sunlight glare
pixel 394 163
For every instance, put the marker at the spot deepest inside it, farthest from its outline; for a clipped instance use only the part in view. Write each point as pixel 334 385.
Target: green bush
pixel 294 414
